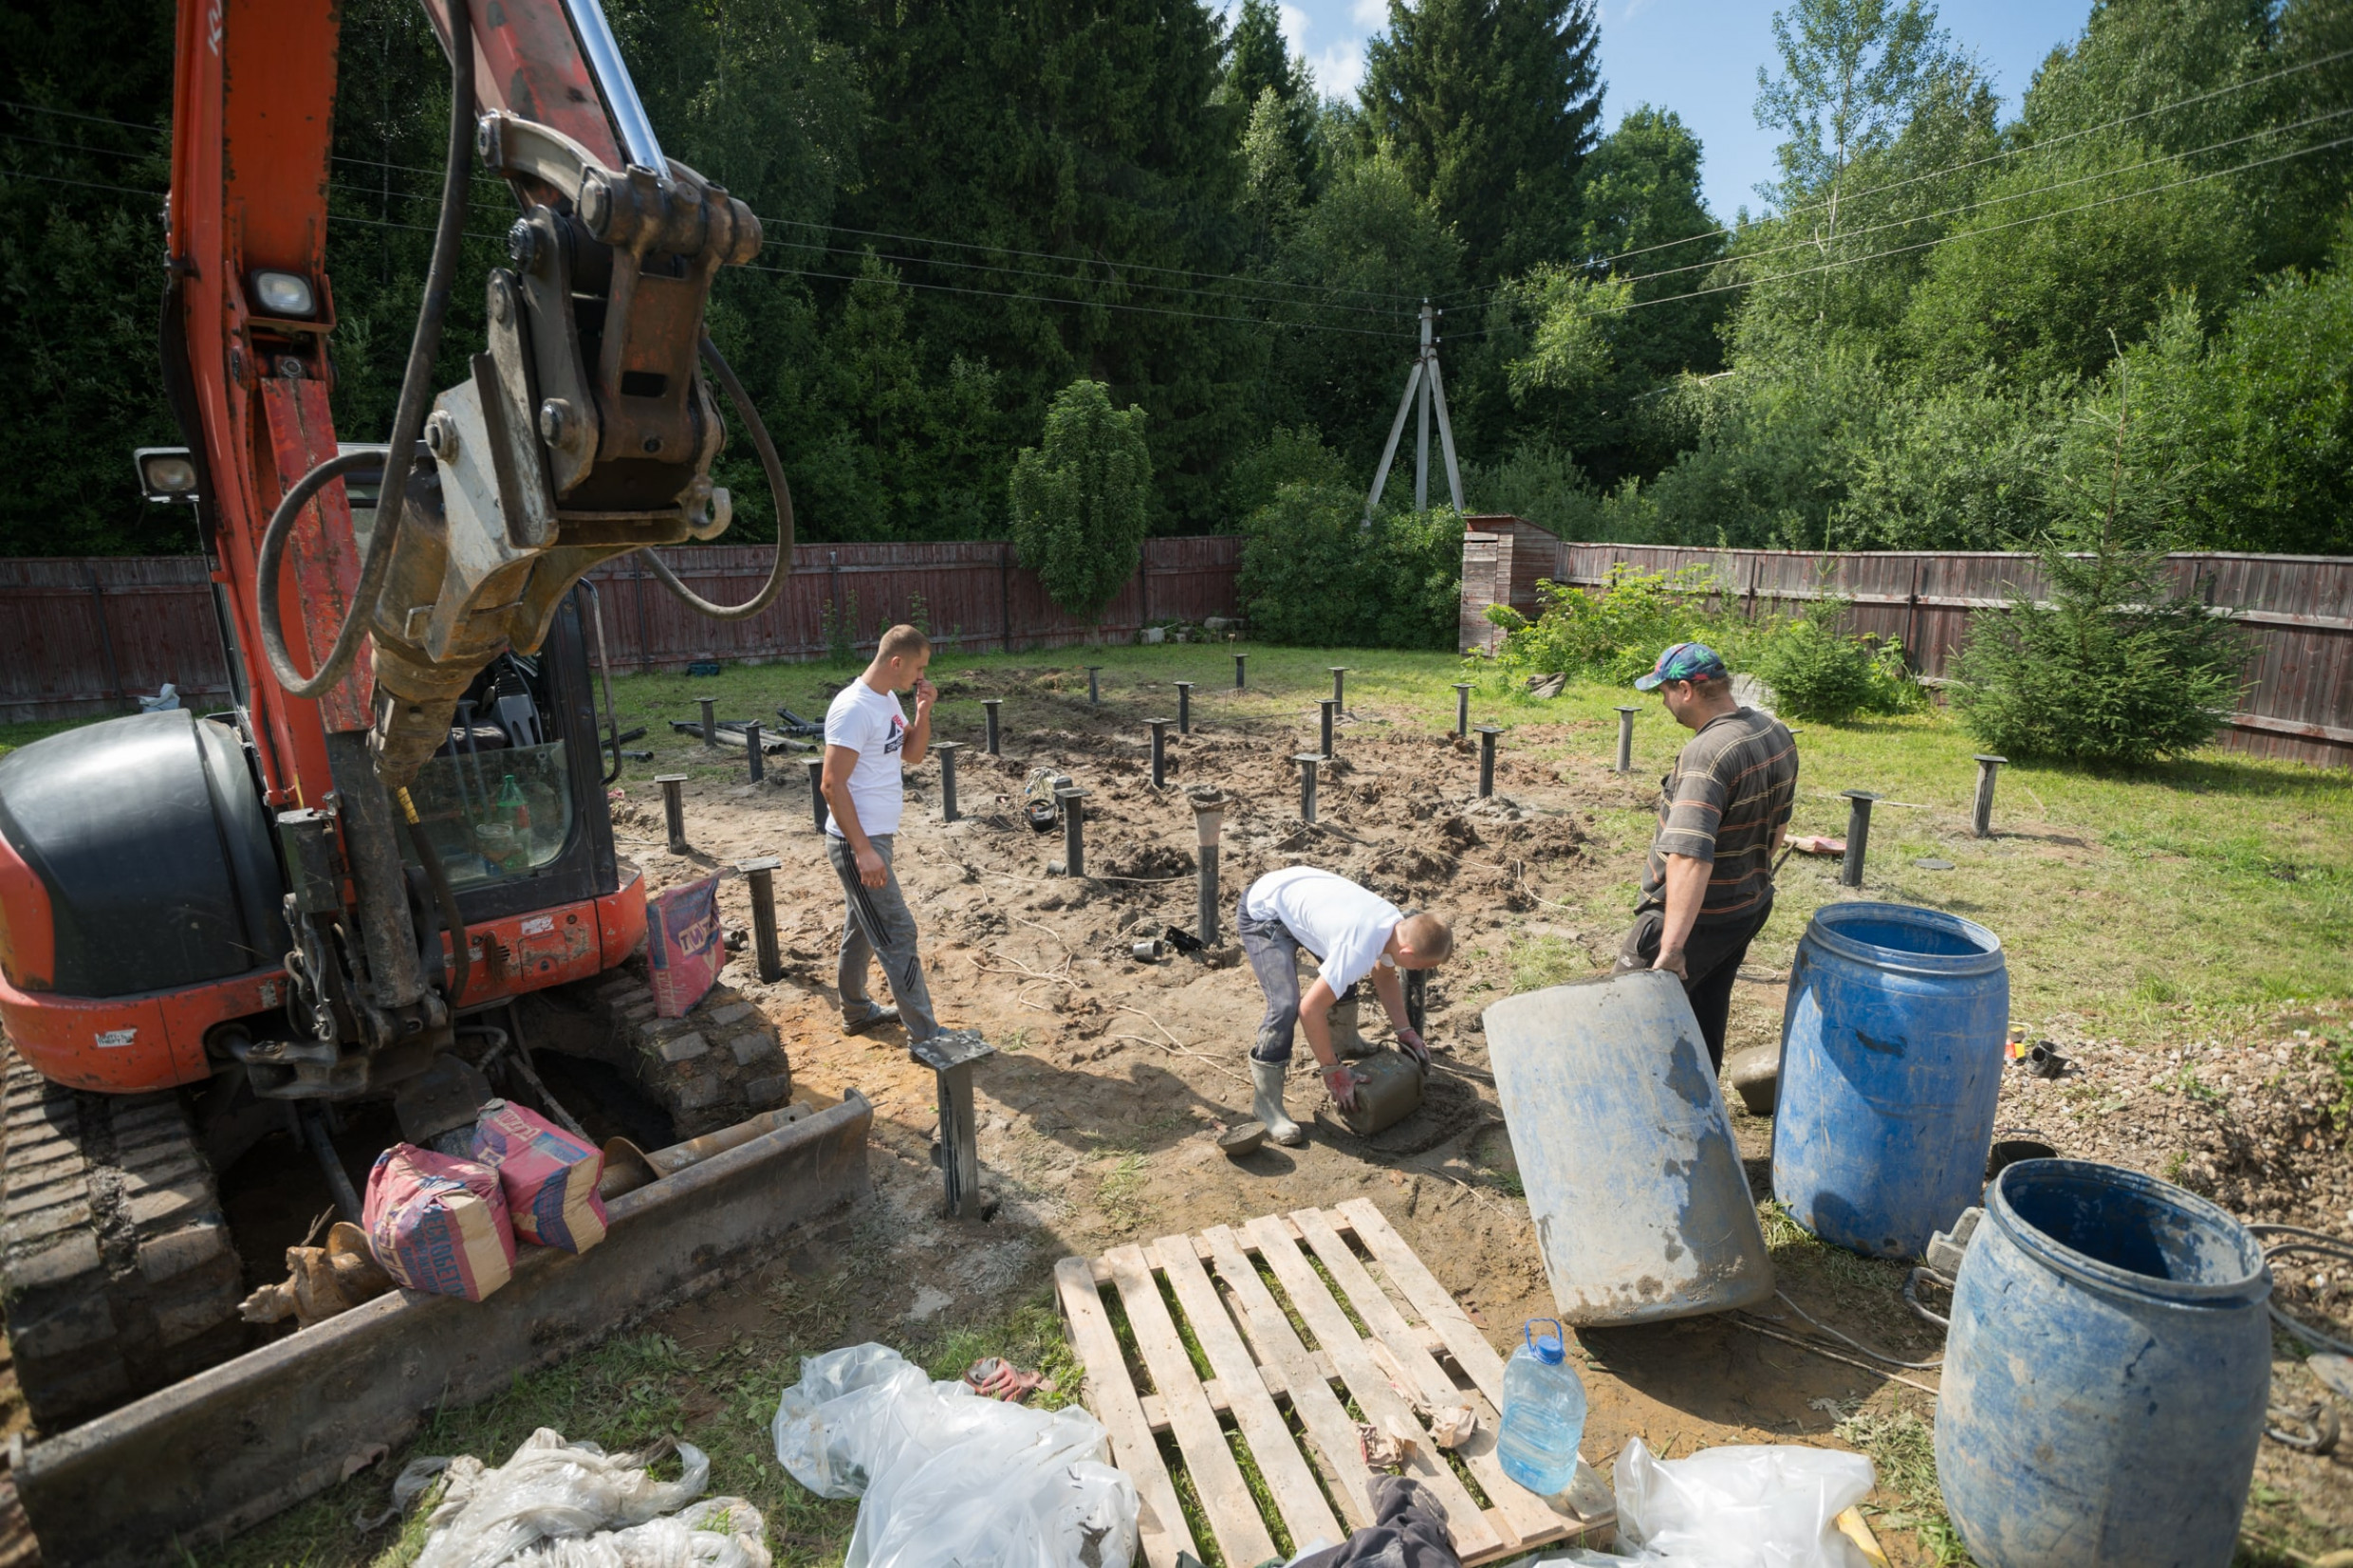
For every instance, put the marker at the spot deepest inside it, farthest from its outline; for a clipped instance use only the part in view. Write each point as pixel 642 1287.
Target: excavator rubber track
pixel 215 1453
pixel 121 1274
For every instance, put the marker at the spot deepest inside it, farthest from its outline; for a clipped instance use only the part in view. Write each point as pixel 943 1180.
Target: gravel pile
pixel 2263 1125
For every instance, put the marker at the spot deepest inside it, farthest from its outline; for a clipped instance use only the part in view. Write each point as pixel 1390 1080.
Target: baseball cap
pixel 1683 661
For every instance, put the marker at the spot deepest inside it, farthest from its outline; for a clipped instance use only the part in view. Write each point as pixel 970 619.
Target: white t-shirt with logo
pixel 1343 925
pixel 872 723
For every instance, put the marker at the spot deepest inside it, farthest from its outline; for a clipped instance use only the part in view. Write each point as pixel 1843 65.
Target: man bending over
pixel 1352 933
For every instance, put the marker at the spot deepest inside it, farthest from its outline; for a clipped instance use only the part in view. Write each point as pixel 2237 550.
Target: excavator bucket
pixel 217 1452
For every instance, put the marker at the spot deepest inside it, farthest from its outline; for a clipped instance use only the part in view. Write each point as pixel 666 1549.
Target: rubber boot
pixel 1266 1102
pixel 1347 1035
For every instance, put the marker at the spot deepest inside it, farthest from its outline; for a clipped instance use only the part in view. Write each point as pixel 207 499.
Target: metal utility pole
pixel 1423 388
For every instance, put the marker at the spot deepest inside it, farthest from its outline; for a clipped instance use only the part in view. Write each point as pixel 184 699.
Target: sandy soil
pixel 1099 1112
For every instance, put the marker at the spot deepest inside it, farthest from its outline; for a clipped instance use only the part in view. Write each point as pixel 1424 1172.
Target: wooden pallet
pixel 1261 1369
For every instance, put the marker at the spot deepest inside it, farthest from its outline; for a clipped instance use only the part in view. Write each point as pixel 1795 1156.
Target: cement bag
pixel 682 945
pixel 949 1477
pixel 1744 1505
pixel 437 1224
pixel 547 1175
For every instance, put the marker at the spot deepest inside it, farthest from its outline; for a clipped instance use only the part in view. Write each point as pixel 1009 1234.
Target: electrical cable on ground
pixel 2320 1244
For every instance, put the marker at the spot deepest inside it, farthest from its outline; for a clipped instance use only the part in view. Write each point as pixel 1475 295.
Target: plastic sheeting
pixel 947 1477
pixel 560 1504
pixel 1744 1505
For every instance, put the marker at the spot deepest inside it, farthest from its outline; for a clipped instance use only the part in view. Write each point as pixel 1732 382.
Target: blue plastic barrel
pixel 1891 1059
pixel 2105 1374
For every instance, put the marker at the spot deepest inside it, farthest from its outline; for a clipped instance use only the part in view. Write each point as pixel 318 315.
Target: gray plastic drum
pixel 1641 1207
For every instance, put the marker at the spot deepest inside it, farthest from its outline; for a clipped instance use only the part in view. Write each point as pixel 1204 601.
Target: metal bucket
pixel 1641 1209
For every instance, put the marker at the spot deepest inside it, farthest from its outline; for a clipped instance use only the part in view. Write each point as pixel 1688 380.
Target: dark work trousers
pixel 1274 954
pixel 1408 1531
pixel 1711 956
pixel 877 923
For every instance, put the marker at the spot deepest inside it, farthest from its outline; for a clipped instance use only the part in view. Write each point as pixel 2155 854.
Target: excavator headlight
pixel 166 473
pixel 284 294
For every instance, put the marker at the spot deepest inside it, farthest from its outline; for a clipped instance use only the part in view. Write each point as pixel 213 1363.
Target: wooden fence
pixel 2296 611
pixel 85 637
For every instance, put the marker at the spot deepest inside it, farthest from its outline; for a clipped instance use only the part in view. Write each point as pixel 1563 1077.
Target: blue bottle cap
pixel 1548 1347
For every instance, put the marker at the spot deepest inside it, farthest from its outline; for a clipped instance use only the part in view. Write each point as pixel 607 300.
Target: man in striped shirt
pixel 1723 812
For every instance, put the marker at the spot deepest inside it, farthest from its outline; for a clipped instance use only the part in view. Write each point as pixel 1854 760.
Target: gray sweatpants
pixel 878 923
pixel 1274 954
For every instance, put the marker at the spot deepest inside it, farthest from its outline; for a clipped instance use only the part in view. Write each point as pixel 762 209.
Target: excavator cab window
pixel 496 800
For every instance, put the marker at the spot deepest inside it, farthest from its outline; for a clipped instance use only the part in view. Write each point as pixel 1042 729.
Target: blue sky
pixel 1699 58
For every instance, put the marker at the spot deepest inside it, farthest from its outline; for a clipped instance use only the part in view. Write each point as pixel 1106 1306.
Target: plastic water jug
pixel 1543 1413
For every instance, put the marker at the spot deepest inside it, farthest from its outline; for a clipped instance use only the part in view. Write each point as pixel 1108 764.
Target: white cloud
pixel 1340 68
pixel 1292 22
pixel 1372 15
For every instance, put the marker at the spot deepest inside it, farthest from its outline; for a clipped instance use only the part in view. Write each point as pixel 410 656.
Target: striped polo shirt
pixel 1731 790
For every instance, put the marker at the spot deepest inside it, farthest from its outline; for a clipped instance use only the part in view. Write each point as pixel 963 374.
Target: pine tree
pixel 1491 106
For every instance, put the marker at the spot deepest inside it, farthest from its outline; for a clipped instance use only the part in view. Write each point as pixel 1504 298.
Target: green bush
pixel 1613 633
pixel 1314 573
pixel 1082 499
pixel 1821 673
pixel 2111 667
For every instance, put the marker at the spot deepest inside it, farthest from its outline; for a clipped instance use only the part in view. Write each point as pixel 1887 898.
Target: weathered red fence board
pixel 2296 611
pixel 83 636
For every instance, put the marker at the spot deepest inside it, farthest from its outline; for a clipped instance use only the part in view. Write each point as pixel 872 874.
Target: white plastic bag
pixel 949 1477
pixel 550 1490
pixel 719 1532
pixel 1744 1505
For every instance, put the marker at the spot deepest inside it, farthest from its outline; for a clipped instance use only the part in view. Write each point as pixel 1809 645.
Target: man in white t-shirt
pixel 1353 934
pixel 868 744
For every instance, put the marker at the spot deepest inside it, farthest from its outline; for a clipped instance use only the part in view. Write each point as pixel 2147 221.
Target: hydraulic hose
pixel 445 896
pixel 408 415
pixel 781 567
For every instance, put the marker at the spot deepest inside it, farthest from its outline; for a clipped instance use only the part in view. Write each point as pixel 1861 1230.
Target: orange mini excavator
pixel 216 928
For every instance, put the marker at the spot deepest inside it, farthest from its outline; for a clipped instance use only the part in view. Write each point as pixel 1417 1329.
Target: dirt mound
pixel 1148 861
pixel 1541 838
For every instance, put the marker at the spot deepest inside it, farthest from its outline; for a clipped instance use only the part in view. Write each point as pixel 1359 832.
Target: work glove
pixel 1339 1083
pixel 1411 1042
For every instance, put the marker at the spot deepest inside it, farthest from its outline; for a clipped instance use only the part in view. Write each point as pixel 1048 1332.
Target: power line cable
pixel 1966 233
pixel 1787 213
pixel 1402 334
pixel 359 194
pixel 1088 261
pixel 1122 283
pixel 830 228
pixel 1996 200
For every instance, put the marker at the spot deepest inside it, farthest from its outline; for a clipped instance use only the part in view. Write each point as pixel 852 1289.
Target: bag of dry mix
pixel 438 1223
pixel 548 1176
